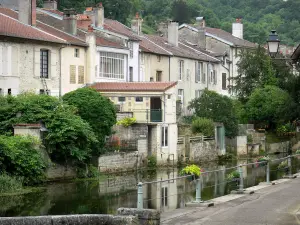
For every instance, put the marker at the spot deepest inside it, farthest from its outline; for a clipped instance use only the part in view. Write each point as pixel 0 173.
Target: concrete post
pixel 140 196
pixel 198 190
pixel 290 165
pixel 268 173
pixel 241 187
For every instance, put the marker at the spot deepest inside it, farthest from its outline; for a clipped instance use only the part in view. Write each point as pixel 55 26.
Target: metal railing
pixel 240 190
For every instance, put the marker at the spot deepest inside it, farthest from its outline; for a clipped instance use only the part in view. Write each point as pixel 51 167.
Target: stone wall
pixel 59 172
pixel 133 132
pixel 278 147
pixel 117 183
pixel 70 219
pixel 145 216
pixel 195 149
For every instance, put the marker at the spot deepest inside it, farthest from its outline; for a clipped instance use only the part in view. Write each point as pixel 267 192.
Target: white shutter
pixel 37 62
pixel 4 61
pixel 15 61
pixel 53 63
pixel 1 60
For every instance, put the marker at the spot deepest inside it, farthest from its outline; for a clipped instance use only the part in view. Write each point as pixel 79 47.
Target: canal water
pixel 106 195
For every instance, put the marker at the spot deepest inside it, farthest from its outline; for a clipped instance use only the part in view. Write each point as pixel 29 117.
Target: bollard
pixel 268 172
pixel 241 187
pixel 290 165
pixel 140 196
pixel 198 190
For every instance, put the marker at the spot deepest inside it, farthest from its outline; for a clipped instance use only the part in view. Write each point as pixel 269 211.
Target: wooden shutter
pixel 72 74
pixel 224 81
pixel 80 74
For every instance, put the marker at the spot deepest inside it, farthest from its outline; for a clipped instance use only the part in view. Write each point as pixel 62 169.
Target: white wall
pixel 134 62
pixel 20 69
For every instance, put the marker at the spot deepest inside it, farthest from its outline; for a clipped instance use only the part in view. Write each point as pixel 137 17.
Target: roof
pixel 181 50
pixel 133 86
pixel 223 36
pixel 117 27
pixel 151 47
pixel 14 28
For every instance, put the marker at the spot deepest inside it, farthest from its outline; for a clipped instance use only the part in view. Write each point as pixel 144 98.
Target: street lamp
pixel 273 44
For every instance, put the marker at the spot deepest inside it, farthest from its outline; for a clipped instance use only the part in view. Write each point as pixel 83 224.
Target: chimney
pixel 201 37
pixel 70 21
pixel 162 29
pixel 27 12
pixel 50 4
pixel 238 29
pixel 99 12
pixel 136 24
pixel 91 14
pixel 173 33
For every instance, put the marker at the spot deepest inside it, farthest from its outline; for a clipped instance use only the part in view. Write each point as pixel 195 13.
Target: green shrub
pixel 127 121
pixel 204 126
pixel 233 175
pixel 191 170
pixel 152 162
pixel 9 183
pixel 18 157
pixel 249 138
pixel 298 151
pixel 282 165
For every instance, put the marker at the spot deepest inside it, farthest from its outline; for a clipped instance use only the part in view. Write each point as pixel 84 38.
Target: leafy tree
pixel 69 138
pixel 270 104
pixel 218 108
pixel 95 109
pixel 255 70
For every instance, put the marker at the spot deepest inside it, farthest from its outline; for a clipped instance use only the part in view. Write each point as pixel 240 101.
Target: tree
pixel 255 70
pixel 270 104
pixel 95 109
pixel 218 108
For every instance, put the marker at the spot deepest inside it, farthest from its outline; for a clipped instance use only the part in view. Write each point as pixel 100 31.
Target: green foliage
pixel 10 183
pixel 152 162
pixel 249 138
pixel 240 111
pixel 97 110
pixel 226 157
pixel 283 129
pixel 298 151
pixel 233 175
pixel 18 157
pixel 282 165
pixel 204 126
pixel 87 171
pixel 217 108
pixel 191 170
pixel 127 121
pixel 254 71
pixel 264 159
pixel 270 104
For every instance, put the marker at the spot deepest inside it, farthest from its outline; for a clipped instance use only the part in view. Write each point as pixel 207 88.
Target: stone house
pixel 153 104
pixel 224 45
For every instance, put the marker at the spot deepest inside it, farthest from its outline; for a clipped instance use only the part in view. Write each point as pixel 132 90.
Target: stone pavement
pixel 270 205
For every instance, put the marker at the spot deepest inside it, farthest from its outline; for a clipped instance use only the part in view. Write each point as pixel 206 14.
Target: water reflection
pixel 106 196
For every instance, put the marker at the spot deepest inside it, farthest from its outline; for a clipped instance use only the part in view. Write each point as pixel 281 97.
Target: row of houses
pixel 46 51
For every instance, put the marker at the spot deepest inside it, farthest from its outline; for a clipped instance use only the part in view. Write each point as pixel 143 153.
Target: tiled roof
pixel 181 50
pixel 148 46
pixel 57 12
pixel 117 27
pixel 229 37
pixel 13 28
pixel 132 86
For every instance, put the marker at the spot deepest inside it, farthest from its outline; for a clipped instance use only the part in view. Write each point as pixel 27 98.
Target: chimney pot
pixel 238 28
pixel 136 24
pixel 70 21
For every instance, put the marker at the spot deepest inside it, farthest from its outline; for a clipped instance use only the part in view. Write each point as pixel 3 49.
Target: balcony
pixel 144 116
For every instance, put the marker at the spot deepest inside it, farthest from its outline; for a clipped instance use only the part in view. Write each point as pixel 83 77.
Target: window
pixel 130 74
pixel 198 93
pixel 164 196
pixel 224 81
pixel 44 63
pixel 181 95
pixel 158 75
pixel 72 74
pixel 164 136
pixel 130 46
pixel 169 96
pixel 181 69
pixel 1 92
pixel 42 91
pixel 158 58
pixel 76 52
pixel 142 58
pixel 9 91
pixel 139 99
pixel 112 65
pixel 121 99
pixel 215 77
pixel 198 71
pixel 80 74
pixel 151 79
pixel 203 78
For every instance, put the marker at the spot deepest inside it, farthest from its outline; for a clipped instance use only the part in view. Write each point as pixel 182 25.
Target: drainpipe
pixel 60 69
pixel 169 68
pixel 207 80
pixel 139 66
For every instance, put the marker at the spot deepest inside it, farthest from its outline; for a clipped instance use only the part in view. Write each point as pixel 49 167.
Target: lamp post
pixel 273 44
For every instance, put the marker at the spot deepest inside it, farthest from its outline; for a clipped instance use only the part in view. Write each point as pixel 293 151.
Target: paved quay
pixel 277 204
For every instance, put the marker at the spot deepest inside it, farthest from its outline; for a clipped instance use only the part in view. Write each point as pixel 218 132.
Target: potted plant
pixel 263 160
pixel 192 170
pixel 283 166
pixel 233 176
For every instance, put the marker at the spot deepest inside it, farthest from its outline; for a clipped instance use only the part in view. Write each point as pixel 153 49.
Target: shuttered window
pixel 72 74
pixel 80 74
pixel 44 63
